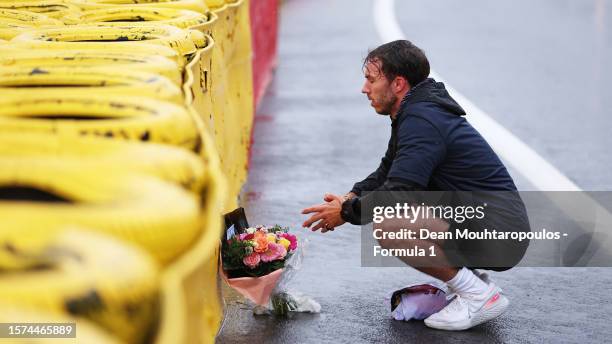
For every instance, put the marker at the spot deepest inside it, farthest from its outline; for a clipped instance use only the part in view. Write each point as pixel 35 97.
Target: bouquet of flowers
pixel 258 251
pixel 258 262
pixel 254 262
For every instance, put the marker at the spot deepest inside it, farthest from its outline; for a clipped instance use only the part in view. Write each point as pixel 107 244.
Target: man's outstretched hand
pixel 328 214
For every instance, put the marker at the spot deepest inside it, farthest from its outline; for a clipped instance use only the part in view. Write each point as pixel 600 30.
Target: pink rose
pixel 251 260
pixel 246 236
pixel 274 252
pixel 292 239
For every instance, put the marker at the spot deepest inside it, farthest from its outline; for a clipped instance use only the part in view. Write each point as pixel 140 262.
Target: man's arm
pixel 376 178
pixel 421 149
pixel 351 208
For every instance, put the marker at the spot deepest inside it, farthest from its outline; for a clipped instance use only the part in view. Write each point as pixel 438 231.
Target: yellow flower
pixel 285 243
pixel 271 238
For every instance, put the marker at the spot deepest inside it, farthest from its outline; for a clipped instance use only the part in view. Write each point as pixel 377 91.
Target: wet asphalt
pixel 538 68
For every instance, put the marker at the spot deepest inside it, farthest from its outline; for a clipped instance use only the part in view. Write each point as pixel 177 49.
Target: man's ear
pixel 400 84
pixel 395 84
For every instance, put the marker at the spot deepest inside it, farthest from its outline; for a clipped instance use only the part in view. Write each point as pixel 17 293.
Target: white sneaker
pixel 485 278
pixel 467 311
pixel 482 275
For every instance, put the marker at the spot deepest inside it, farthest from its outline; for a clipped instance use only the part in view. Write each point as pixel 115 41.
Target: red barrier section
pixel 264 29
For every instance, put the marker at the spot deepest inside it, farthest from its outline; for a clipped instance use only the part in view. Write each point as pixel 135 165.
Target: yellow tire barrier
pixel 85 274
pixel 109 37
pixel 232 18
pixel 123 61
pixel 222 29
pixel 214 4
pixel 241 91
pixel 232 93
pixel 87 332
pixel 30 19
pixel 158 216
pixel 173 164
pixel 121 117
pixel 207 27
pixel 58 81
pixel 194 5
pixel 140 49
pixel 14 22
pixel 138 15
pixel 51 8
pixel 191 303
pixel 197 88
pixel 199 39
pixel 223 107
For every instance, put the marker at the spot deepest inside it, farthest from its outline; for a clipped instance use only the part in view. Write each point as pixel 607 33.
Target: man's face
pixel 378 89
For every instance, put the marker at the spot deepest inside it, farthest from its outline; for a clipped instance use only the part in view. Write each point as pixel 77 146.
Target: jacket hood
pixel 431 91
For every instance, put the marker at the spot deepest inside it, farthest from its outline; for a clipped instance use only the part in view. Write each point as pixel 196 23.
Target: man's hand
pixel 328 214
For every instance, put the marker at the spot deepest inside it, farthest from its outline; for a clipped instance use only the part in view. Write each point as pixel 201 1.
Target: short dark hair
pixel 400 58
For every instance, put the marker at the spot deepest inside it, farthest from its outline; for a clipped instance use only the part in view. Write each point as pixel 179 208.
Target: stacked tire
pixel 111 189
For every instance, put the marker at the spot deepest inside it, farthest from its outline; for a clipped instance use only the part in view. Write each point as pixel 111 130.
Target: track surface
pixel 537 68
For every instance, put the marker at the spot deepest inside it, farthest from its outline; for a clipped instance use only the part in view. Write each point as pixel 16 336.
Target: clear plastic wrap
pixel 284 300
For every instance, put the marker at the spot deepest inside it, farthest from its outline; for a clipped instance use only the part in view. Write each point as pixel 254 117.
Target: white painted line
pixel 385 21
pixel 539 172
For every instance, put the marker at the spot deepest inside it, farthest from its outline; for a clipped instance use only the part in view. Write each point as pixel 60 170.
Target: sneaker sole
pixel 456 326
pixel 483 316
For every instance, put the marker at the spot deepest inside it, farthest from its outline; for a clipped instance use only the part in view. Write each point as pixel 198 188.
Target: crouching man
pixel 433 147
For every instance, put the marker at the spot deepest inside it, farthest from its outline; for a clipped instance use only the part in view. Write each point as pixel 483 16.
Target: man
pixel 433 147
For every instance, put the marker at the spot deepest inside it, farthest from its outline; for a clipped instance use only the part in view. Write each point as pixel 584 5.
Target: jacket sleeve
pixel 420 150
pixel 351 209
pixel 378 177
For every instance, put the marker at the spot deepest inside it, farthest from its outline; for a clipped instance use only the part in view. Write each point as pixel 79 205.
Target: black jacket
pixel 432 147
